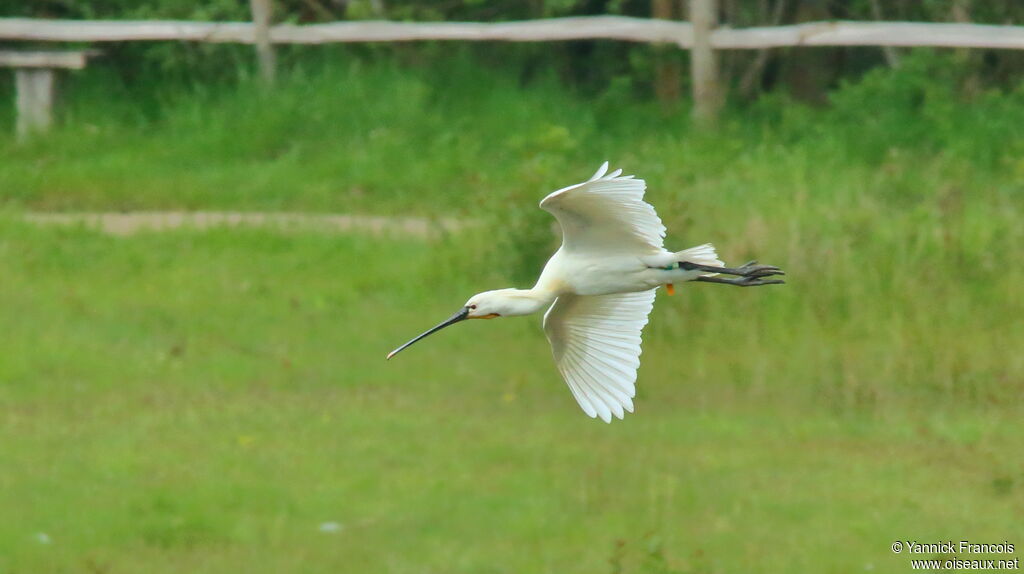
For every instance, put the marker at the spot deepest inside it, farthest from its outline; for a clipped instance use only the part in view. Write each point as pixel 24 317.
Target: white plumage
pixel 606 212
pixel 600 287
pixel 596 344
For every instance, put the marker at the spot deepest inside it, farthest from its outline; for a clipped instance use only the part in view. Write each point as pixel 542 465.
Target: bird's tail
pixel 701 255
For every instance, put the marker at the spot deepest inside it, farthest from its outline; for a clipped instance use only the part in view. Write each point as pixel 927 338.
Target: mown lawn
pixel 209 401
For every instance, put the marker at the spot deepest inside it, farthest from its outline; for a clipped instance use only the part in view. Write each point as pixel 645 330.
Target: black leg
pixel 750 269
pixel 741 281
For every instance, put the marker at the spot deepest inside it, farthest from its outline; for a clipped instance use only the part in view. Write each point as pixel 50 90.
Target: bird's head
pixel 497 303
pixel 488 305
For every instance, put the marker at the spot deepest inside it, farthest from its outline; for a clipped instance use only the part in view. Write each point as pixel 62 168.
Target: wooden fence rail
pixel 839 33
pixel 36 83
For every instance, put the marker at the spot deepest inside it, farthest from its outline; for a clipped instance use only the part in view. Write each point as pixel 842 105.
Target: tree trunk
pixel 971 87
pixel 892 57
pixel 750 84
pixel 666 60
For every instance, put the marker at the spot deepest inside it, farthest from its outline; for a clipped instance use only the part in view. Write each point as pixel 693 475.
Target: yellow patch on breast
pixel 558 286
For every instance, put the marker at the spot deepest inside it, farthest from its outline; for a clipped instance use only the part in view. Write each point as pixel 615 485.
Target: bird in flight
pixel 598 288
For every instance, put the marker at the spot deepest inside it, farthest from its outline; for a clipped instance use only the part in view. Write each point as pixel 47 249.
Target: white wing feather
pixel 606 213
pixel 596 344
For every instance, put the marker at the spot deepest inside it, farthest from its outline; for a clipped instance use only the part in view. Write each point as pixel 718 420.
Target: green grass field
pixel 205 401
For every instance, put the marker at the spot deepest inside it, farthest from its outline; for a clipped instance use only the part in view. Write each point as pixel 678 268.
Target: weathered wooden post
pixel 36 91
pixel 262 15
pixel 35 81
pixel 707 97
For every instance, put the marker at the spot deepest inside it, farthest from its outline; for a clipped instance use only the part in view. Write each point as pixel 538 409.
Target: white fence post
pixel 703 63
pixel 36 89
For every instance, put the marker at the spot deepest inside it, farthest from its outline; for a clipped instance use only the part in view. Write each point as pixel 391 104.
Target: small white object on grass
pixel 330 527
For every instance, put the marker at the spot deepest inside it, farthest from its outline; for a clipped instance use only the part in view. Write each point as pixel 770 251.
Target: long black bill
pixel 462 315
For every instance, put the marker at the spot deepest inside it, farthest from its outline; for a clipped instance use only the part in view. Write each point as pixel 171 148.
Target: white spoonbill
pixel 599 287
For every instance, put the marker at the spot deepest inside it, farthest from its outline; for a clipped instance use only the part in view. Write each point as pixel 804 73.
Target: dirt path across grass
pixel 134 222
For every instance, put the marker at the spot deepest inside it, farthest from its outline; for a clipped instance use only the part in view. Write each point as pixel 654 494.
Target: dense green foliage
pixel 991 11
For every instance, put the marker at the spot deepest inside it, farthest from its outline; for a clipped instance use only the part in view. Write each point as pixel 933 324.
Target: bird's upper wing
pixel 607 213
pixel 596 343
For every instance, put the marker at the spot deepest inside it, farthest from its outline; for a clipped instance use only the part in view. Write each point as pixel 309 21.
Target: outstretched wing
pixel 596 343
pixel 607 213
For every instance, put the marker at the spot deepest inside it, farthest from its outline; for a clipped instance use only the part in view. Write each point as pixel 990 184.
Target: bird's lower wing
pixel 595 340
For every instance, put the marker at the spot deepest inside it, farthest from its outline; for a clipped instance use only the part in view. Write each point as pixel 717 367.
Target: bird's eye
pixel 472 306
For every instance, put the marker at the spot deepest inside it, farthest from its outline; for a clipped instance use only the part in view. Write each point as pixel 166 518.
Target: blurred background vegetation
pixel 807 75
pixel 217 400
